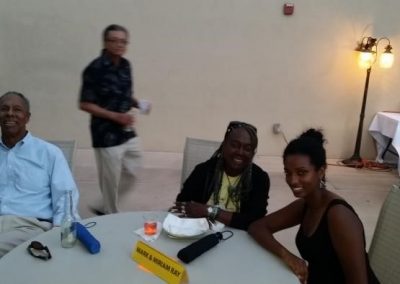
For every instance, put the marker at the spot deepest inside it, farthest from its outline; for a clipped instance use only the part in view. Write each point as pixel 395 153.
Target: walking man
pixel 107 94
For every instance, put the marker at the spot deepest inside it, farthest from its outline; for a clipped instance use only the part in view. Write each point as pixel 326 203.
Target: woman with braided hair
pixel 228 187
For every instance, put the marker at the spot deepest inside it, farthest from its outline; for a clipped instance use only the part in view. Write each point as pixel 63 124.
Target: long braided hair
pixel 241 191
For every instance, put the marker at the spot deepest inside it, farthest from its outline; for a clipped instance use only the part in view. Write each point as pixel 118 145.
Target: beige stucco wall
pixel 205 62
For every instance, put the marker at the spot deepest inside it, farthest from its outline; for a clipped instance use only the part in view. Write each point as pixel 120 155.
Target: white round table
pixel 237 260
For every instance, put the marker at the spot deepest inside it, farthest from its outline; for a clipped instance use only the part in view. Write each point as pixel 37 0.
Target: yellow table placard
pixel 160 264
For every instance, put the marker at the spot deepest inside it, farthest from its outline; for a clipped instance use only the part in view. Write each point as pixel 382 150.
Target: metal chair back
pixel 195 152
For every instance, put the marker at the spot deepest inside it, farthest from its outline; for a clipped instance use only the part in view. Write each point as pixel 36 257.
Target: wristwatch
pixel 213 212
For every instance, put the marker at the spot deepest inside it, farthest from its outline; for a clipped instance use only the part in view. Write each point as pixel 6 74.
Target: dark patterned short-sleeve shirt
pixel 110 87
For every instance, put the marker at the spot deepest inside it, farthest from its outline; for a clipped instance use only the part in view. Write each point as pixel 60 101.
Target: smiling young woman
pixel 331 236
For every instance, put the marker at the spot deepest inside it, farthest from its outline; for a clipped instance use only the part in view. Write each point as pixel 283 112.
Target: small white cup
pixel 144 106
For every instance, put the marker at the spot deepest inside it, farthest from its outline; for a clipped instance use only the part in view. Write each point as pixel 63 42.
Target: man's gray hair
pixel 23 98
pixel 114 28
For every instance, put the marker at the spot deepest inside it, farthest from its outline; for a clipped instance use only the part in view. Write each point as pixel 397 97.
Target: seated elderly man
pixel 33 177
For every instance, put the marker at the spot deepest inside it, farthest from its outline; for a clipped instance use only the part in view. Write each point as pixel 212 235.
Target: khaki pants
pixel 116 168
pixel 15 230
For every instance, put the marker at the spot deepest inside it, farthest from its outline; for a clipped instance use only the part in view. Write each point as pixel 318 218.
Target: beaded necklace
pixel 232 188
pixel 232 185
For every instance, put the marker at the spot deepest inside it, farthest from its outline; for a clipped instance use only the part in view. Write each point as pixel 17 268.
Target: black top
pixel 323 262
pixel 110 87
pixel 198 188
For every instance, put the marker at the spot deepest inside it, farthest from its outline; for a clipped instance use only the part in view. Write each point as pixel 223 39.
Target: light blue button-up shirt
pixel 34 176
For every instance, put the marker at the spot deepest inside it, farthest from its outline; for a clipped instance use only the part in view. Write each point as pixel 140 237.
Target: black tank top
pixel 323 262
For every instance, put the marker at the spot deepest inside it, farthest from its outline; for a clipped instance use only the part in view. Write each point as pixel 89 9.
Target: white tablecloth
pixel 237 260
pixel 386 126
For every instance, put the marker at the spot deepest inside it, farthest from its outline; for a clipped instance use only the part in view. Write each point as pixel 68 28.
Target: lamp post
pixel 368 53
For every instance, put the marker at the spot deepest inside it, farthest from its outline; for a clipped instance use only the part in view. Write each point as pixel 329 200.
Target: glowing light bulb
pixel 365 59
pixel 386 60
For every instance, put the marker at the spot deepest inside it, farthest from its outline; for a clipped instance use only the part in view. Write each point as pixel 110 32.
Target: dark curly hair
pixel 310 143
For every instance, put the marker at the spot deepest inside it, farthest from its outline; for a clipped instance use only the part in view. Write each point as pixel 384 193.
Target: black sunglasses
pixel 36 249
pixel 239 124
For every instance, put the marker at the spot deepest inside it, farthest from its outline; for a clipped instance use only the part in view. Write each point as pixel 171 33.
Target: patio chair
pixel 68 149
pixel 384 252
pixel 195 152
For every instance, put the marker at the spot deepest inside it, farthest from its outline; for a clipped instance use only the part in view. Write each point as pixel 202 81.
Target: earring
pixel 322 184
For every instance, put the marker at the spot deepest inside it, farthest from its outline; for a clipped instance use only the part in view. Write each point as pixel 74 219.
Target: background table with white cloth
pixel 237 260
pixel 385 129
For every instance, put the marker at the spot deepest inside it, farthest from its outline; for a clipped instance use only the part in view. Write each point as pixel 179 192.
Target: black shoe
pixel 96 211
